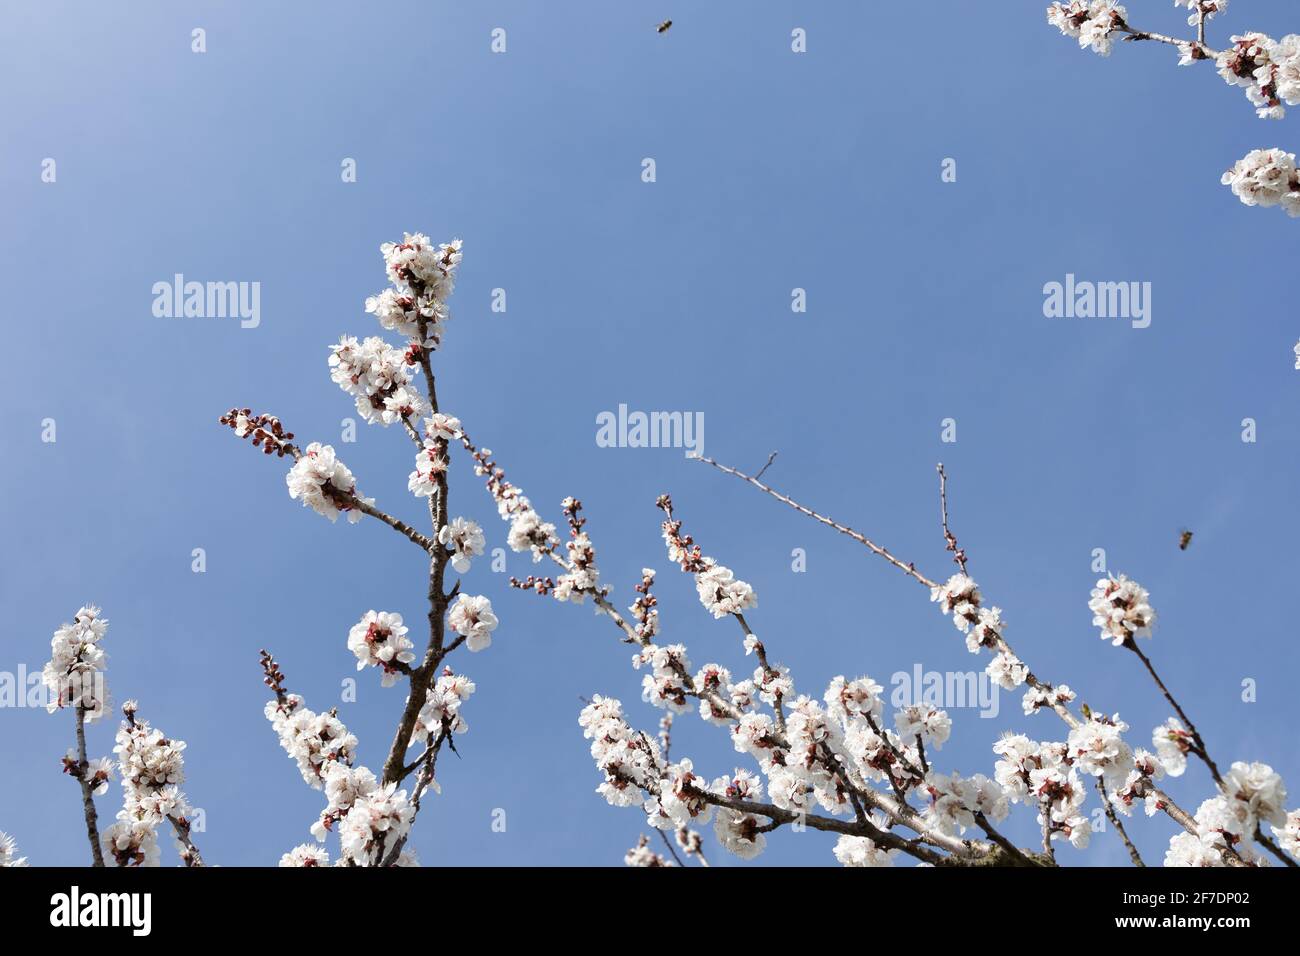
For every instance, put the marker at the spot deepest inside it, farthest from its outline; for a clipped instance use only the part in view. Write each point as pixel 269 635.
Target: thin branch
pixel 950 540
pixel 87 794
pixel 1114 819
pixel 1198 747
pixel 1177 813
pixel 423 541
pixel 1272 847
pixel 190 853
pixel 668 843
pixel 1011 849
pixel 908 569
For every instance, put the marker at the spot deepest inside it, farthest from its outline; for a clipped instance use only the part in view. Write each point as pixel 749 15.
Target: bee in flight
pixel 663 27
pixel 1184 539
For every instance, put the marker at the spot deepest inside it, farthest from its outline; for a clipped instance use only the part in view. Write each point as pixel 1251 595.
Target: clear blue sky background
pixel 775 171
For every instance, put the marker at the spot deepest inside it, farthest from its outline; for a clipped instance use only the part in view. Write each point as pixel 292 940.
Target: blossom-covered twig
pixel 1267 69
pixel 74 677
pixel 372 816
pixel 1115 821
pixel 1220 831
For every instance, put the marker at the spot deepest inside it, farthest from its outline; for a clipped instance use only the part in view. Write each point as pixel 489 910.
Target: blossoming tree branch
pixel 1267 70
pixel 831 763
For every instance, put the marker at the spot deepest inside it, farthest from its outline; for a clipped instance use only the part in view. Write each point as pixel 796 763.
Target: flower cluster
pixel 1267 177
pixel 629 761
pixel 582 577
pixel 1172 742
pixel 423 277
pixel 719 590
pixel 1121 609
pixel 369 818
pixel 315 741
pixel 1201 8
pixel 1091 22
pixel 9 852
pixel 431 459
pixel 152 769
pixel 441 711
pixel 954 801
pixel 860 851
pixel 378 377
pixel 74 675
pixel 528 532
pixel 306 854
pixel 1097 748
pixel 1288 835
pixel 1252 795
pixel 669 682
pixel 465 539
pixel 1043 775
pixel 1146 769
pixel 1267 69
pixel 379 640
pixel 642 856
pixel 1043 695
pixel 325 484
pixel 97 773
pixel 983 626
pixel 473 617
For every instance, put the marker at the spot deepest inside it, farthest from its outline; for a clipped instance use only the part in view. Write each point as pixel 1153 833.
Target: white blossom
pixel 132 843
pixel 324 483
pixel 1267 177
pixel 378 377
pixel 306 854
pixel 738 833
pixel 1091 22
pixel 1288 836
pixel 442 707
pixel 314 741
pixel 465 539
pixel 430 464
pixel 922 720
pixel 74 675
pixel 1256 794
pixel 473 617
pixel 1007 671
pixel 1198 7
pixel 379 640
pixel 1121 610
pixel 1097 748
pixel 861 851
pixel 642 856
pixel 9 852
pixel 1172 742
pixel 721 593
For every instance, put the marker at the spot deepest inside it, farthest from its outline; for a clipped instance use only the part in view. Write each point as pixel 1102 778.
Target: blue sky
pixel 774 171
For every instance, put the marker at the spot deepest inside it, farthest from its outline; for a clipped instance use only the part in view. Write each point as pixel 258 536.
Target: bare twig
pixel 908 569
pixel 950 540
pixel 1198 744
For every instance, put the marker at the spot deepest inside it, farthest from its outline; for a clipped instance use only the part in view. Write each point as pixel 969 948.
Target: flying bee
pixel 663 27
pixel 1184 539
